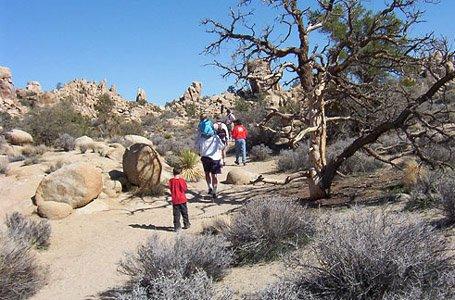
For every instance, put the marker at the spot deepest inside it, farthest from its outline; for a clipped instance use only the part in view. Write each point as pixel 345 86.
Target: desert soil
pixel 86 246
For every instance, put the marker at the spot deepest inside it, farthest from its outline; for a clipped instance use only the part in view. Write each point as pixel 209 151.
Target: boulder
pixel 83 141
pixel 19 137
pixel 141 96
pixel 75 184
pixel 34 87
pixel 115 152
pixel 239 176
pixel 132 139
pixel 54 210
pixel 142 165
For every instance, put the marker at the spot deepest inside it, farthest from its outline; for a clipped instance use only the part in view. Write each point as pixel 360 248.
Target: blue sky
pixel 153 44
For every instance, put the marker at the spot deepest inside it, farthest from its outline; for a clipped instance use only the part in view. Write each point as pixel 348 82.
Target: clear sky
pixel 153 44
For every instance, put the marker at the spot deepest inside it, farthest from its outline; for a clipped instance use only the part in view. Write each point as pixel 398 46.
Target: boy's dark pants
pixel 180 209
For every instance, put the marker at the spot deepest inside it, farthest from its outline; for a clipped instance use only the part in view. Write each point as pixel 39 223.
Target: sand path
pixel 85 248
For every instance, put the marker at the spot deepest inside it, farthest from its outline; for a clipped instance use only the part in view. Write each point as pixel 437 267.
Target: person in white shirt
pixel 210 150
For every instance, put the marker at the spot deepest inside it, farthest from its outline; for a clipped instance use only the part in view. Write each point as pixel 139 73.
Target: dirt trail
pixel 85 248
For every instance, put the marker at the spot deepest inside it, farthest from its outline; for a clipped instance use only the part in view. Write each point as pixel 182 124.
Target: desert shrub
pixel 176 144
pixel 54 166
pixel 215 227
pixel 34 151
pixel 194 287
pixel 368 255
pixel 33 160
pixel 358 163
pixel 48 123
pixel 413 174
pixel 16 157
pixel 172 160
pixel 293 160
pixel 260 152
pixel 281 290
pixel 20 275
pixel 446 191
pixel 4 166
pixel 65 142
pixel 185 256
pixel 28 231
pixel 266 228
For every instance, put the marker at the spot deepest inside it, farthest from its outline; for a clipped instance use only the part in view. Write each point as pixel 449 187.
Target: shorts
pixel 210 165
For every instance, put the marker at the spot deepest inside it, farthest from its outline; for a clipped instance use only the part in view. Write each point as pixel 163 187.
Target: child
pixel 223 133
pixel 239 134
pixel 178 187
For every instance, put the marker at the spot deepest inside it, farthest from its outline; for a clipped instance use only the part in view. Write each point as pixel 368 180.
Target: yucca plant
pixel 188 161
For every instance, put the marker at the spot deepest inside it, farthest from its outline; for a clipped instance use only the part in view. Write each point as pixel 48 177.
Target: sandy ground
pixel 86 246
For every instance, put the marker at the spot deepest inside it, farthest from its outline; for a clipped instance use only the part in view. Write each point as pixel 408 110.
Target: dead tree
pixel 352 77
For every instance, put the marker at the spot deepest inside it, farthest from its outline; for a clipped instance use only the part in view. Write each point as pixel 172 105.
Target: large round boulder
pixel 132 139
pixel 83 141
pixel 239 176
pixel 75 184
pixel 18 137
pixel 54 210
pixel 143 166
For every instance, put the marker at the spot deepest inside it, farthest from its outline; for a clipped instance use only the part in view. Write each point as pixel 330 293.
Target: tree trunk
pixel 317 149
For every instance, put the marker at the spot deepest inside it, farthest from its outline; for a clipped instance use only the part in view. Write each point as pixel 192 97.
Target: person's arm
pixel 184 186
pixel 228 136
pixel 246 132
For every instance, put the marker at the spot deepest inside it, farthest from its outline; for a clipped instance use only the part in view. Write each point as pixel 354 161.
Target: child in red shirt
pixel 178 187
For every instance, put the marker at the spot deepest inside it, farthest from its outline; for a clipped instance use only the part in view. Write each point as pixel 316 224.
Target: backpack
pixel 206 129
pixel 221 132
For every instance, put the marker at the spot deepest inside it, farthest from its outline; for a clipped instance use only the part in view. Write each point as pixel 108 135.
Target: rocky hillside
pixel 83 95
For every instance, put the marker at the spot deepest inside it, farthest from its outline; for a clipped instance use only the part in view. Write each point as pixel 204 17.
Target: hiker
pixel 230 118
pixel 178 187
pixel 239 134
pixel 210 150
pixel 205 127
pixel 223 133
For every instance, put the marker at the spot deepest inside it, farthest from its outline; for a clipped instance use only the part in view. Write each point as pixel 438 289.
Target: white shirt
pixel 223 126
pixel 230 118
pixel 210 147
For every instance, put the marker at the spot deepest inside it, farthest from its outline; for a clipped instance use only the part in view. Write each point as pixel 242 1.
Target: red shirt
pixel 239 132
pixel 178 188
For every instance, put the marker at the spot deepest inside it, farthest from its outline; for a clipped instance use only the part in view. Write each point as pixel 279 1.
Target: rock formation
pixel 8 102
pixel 141 96
pixel 259 73
pixel 75 184
pixel 142 165
pixel 33 87
pixel 18 137
pixel 193 93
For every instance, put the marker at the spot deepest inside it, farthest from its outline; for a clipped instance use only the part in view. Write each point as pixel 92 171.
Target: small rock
pixel 19 137
pixel 54 210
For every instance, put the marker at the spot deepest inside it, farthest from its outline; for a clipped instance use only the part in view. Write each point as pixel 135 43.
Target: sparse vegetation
pixel 27 231
pixel 20 275
pixel 369 255
pixel 48 123
pixel 186 255
pixel 4 166
pixel 16 157
pixel 293 160
pixel 188 161
pixel 32 160
pixel 54 166
pixel 197 286
pixel 65 142
pixel 266 228
pixel 446 190
pixel 260 152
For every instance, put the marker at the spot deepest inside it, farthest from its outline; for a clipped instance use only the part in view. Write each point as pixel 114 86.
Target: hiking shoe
pixel 244 164
pixel 210 191
pixel 215 196
pixel 237 163
pixel 186 227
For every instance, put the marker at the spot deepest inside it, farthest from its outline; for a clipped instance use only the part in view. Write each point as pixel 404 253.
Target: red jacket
pixel 178 189
pixel 239 132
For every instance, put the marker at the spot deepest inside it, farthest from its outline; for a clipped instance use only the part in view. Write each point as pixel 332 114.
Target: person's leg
pixel 214 178
pixel 176 213
pixel 237 151
pixel 186 219
pixel 243 150
pixel 208 179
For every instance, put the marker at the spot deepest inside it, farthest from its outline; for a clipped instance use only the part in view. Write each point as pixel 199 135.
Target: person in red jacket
pixel 178 187
pixel 239 134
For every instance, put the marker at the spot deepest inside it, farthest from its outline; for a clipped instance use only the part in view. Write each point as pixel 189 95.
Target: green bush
pixel 48 123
